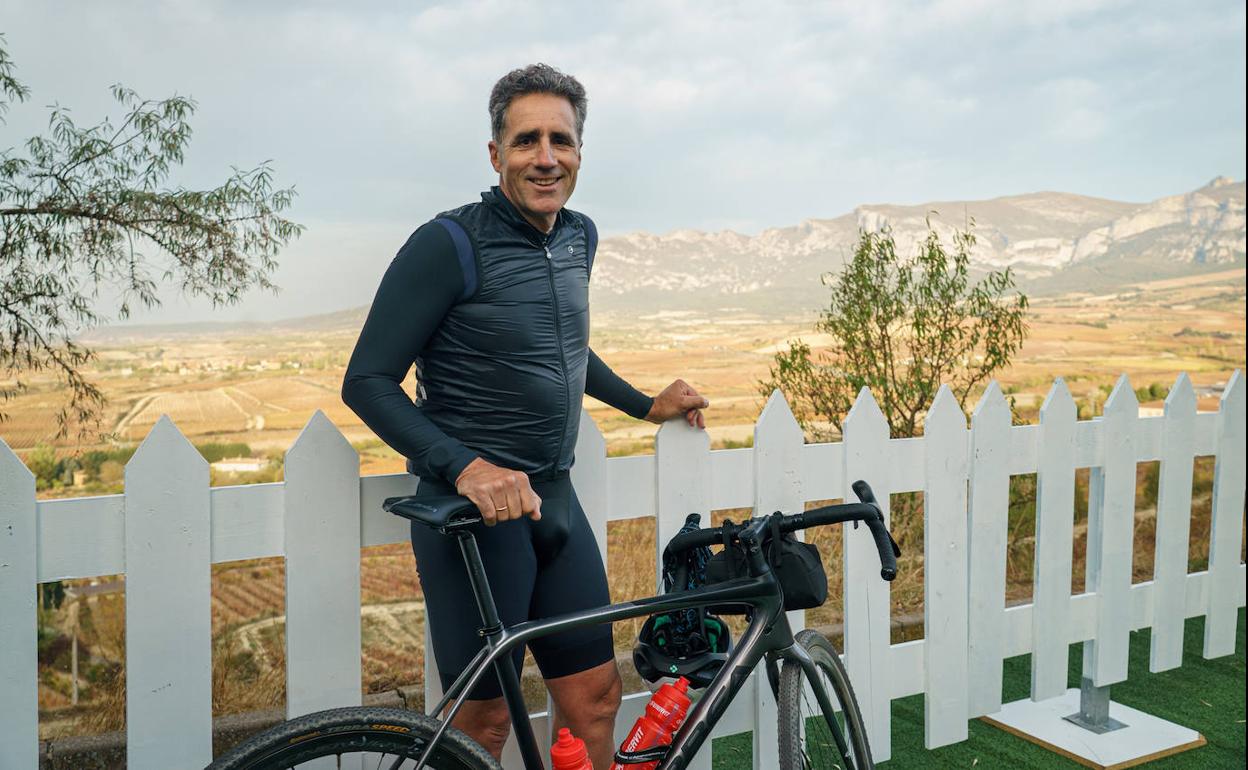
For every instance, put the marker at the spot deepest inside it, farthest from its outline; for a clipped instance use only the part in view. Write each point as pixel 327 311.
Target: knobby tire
pixel 355 732
pixel 815 747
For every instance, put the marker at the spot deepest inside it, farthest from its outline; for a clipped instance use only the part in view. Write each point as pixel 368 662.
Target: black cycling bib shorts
pixel 536 569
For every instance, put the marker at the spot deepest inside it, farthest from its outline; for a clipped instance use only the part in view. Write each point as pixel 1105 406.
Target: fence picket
pixel 867 598
pixel 987 530
pixel 945 665
pixel 778 444
pixel 322 545
pixel 1225 582
pixel 168 551
pixel 1055 524
pixel 1174 513
pixel 19 665
pixel 589 479
pixel 682 485
pixel 1111 530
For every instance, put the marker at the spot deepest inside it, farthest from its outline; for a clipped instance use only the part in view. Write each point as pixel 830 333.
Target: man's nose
pixel 545 153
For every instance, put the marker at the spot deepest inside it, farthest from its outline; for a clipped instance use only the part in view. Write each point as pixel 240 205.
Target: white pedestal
pixel 1143 739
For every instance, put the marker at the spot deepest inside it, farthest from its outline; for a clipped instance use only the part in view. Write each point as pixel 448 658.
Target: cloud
pixel 1075 109
pixel 701 112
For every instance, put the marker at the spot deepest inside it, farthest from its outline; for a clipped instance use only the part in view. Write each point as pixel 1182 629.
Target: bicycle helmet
pixel 691 643
pixel 697 656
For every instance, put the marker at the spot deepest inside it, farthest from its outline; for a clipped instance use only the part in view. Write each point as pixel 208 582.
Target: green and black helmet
pixel 696 655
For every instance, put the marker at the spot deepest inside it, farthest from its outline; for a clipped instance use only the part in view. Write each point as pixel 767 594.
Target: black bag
pixel 798 567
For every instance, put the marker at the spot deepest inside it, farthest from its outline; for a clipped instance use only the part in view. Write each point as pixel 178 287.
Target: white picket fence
pixel 169 526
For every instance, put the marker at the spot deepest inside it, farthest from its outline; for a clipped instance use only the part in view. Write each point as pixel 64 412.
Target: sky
pixel 704 115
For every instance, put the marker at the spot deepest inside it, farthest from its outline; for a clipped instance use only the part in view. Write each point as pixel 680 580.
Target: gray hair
pixel 535 79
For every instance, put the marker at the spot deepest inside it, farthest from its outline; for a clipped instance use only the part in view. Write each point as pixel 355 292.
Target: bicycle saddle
pixel 441 513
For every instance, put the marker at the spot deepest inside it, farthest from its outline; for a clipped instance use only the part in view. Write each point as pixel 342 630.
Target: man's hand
pixel 500 494
pixel 677 399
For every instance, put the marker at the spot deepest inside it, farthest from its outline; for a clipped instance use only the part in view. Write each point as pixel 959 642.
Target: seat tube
pixel 505 668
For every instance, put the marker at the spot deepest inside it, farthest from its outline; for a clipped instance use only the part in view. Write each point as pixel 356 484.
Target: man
pixel 490 301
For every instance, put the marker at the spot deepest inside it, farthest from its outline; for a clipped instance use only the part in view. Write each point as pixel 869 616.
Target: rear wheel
pixel 809 738
pixel 358 739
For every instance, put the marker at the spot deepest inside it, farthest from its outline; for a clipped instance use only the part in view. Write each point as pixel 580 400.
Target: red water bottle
pixel 662 718
pixel 569 753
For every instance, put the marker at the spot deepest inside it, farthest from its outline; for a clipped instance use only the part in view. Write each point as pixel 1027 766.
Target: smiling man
pixel 490 302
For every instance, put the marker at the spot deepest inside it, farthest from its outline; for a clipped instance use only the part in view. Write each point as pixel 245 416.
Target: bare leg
pixel 586 703
pixel 486 722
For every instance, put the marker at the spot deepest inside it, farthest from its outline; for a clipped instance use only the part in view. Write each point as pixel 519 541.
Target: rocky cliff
pixel 1045 237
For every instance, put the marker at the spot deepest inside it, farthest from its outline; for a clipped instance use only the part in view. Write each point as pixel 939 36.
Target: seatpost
pixel 480 585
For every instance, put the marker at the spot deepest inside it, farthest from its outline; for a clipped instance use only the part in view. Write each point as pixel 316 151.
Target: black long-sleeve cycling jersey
pixel 498 329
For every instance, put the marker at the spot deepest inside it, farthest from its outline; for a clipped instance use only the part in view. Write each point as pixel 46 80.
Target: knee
pixel 588 699
pixel 604 702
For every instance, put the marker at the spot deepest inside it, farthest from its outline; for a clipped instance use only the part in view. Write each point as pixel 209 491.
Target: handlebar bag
pixel 798 567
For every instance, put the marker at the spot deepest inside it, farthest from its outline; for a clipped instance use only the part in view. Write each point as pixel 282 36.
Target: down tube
pixel 717 698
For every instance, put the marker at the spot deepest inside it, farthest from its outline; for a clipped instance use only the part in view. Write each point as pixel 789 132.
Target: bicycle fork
pixel 797 653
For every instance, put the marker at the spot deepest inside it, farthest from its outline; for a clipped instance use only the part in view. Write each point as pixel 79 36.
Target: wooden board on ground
pixel 1144 738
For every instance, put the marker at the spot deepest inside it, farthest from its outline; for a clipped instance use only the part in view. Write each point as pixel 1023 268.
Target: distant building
pixel 239 465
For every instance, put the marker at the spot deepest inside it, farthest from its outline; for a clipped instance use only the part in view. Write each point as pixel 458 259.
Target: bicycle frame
pixel 768 634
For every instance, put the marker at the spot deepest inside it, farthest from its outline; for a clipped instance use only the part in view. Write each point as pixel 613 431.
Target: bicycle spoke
pixel 398 761
pixel 824 744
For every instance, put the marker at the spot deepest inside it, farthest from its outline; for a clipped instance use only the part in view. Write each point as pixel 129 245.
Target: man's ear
pixel 496 158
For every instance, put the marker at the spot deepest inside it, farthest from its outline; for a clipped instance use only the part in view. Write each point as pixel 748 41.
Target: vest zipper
pixel 563 362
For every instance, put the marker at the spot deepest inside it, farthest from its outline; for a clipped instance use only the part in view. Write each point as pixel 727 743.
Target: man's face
pixel 538 156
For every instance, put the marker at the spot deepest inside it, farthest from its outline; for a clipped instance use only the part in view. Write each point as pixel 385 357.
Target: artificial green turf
pixel 1205 695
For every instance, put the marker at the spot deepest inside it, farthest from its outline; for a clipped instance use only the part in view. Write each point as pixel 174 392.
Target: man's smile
pixel 537 156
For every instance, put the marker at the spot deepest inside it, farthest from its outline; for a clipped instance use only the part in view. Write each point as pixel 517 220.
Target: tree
pixel 43 463
pixel 902 326
pixel 85 209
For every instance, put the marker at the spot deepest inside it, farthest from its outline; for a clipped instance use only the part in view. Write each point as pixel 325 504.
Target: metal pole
pixel 75 667
pixel 73 626
pixel 1093 714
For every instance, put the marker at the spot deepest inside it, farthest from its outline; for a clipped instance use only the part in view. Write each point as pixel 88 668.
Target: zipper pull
pixel 548 257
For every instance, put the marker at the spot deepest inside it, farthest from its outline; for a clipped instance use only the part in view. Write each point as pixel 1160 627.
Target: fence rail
pixel 169 526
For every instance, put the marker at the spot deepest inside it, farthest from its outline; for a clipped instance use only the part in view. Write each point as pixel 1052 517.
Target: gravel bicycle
pixel 820 725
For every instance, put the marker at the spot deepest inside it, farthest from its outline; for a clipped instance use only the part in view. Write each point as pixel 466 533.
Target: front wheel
pixel 810 738
pixel 355 738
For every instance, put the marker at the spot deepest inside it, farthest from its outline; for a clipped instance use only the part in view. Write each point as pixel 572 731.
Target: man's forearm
pixel 384 407
pixel 611 389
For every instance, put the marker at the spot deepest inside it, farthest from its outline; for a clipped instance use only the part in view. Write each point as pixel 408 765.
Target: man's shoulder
pixel 464 212
pixel 580 219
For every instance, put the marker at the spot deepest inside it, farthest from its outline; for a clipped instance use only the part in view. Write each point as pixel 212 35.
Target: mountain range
pixel 1053 242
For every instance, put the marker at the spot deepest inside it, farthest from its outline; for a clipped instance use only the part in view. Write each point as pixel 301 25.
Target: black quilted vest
pixel 505 371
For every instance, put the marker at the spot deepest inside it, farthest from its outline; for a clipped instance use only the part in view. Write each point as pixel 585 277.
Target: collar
pixel 507 210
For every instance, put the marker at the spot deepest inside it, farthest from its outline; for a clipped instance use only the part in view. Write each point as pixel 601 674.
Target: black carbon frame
pixel 768 633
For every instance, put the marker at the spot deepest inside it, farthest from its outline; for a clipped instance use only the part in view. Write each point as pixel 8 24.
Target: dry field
pixel 261 390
